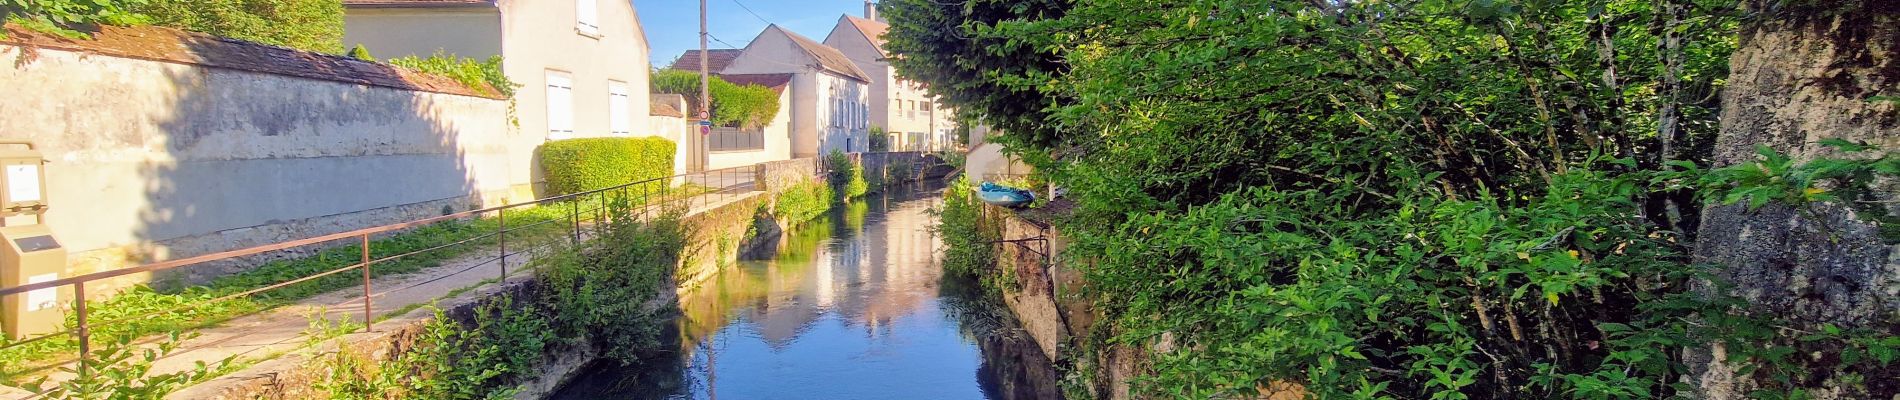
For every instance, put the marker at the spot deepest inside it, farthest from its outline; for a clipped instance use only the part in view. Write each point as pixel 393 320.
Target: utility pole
pixel 705 93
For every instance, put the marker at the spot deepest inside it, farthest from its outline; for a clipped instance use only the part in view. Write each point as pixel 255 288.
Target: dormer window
pixel 587 17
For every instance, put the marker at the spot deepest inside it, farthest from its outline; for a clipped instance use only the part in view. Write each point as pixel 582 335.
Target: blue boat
pixel 1004 196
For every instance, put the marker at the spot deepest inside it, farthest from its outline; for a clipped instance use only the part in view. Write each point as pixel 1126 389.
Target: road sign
pixel 705 123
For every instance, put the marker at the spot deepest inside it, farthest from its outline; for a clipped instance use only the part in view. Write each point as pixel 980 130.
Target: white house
pixel 903 107
pixel 829 94
pixel 582 65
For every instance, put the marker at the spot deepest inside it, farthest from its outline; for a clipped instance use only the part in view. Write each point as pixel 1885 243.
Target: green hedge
pixel 750 106
pixel 579 165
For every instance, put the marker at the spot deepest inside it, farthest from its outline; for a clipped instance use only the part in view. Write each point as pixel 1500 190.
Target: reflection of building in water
pixel 868 270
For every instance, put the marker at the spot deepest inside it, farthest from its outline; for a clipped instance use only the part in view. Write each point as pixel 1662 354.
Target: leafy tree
pixel 977 61
pixel 1417 199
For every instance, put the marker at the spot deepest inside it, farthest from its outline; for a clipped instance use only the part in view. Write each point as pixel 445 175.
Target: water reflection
pixel 850 307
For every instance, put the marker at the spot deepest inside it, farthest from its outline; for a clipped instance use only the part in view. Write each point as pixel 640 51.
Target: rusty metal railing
pixel 700 189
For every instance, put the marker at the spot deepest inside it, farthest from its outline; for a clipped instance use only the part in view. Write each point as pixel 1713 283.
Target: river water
pixel 852 306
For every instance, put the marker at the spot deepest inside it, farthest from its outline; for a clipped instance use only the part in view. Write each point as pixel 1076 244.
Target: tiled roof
pixel 667 105
pixel 872 30
pixel 161 44
pixel 417 3
pixel 777 82
pixel 717 59
pixel 828 58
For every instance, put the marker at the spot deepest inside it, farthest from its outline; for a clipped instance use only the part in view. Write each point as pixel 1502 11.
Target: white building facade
pixel 830 98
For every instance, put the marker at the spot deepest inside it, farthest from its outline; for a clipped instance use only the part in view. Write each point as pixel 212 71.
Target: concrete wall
pixel 778 141
pixel 473 32
pixel 157 160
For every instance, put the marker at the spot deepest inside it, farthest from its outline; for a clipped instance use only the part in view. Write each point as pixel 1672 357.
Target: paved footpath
pixel 271 333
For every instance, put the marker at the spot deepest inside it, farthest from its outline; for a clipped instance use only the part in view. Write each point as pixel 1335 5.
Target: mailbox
pixel 29 253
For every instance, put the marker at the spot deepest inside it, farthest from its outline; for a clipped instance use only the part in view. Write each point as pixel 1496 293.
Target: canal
pixel 852 306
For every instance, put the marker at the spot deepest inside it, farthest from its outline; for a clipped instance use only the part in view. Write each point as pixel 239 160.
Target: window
pixel 619 109
pixel 560 106
pixel 587 17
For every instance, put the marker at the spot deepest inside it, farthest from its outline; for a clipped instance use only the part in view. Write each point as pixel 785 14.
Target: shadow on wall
pixel 166 144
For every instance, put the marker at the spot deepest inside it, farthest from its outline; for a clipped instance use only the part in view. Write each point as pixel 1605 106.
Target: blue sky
pixel 672 26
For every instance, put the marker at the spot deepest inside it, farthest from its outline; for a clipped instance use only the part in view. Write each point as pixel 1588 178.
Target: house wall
pixel 778 142
pixel 154 160
pixel 540 35
pixel 896 104
pixel 842 128
pixel 473 32
pixel 534 37
pixel 812 95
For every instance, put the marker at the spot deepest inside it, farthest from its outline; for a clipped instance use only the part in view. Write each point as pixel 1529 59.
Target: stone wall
pixel 164 144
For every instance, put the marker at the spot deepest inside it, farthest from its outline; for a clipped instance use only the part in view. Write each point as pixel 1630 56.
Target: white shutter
pixel 619 106
pixel 587 16
pixel 560 106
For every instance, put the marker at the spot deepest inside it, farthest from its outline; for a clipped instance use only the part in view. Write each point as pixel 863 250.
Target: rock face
pixel 1806 72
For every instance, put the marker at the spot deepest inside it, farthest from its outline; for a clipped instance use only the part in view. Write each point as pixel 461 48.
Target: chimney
pixel 870 10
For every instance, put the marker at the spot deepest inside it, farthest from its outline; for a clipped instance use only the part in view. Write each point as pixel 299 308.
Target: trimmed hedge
pixel 579 165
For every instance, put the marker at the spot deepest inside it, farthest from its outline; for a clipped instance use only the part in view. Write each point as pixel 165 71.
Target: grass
pixel 144 311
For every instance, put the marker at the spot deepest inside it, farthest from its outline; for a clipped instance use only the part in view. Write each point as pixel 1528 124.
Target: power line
pixel 716 39
pixel 748 10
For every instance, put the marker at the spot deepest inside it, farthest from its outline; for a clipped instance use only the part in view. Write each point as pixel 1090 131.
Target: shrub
pixel 880 140
pixel 966 233
pixel 314 25
pixel 579 165
pixel 482 76
pixel 803 201
pixel 748 106
pixel 361 53
pixel 845 176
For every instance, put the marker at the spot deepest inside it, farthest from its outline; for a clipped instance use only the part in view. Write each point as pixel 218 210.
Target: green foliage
pixel 69 17
pixel 447 360
pixel 144 311
pixel 847 180
pixel 604 290
pixel 483 76
pixel 901 171
pixel 1428 199
pixel 880 140
pixel 747 106
pixel 313 25
pixel 580 165
pixel 121 370
pixel 803 201
pixel 967 233
pixel 361 53
pixel 955 47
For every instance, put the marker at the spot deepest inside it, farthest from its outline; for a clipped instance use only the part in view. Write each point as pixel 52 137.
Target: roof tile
pixel 717 59
pixel 162 44
pixel 828 57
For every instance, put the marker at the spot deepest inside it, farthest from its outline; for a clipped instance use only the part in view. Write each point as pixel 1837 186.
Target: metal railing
pixel 700 189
